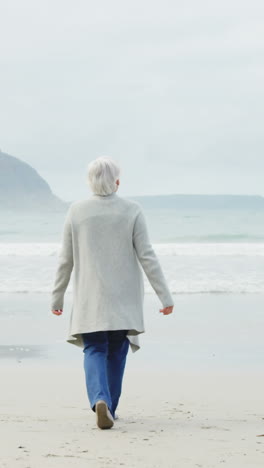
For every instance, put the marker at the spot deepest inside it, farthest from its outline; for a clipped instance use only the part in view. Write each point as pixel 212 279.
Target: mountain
pixel 23 189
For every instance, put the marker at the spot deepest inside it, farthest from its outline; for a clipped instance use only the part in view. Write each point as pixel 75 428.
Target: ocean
pixel 203 251
pixel 205 255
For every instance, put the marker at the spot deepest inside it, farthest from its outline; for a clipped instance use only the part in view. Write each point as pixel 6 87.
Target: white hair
pixel 102 175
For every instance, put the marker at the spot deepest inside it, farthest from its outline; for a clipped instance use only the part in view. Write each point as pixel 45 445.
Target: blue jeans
pixel 105 355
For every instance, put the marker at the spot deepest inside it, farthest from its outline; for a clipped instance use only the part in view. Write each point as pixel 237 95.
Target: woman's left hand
pixel 57 311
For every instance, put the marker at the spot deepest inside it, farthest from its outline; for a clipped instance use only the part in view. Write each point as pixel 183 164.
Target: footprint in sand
pixel 215 427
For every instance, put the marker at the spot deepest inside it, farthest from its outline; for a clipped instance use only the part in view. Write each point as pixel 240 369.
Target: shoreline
pixel 203 332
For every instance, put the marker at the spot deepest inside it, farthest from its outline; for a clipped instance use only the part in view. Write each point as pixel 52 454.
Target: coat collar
pixel 104 197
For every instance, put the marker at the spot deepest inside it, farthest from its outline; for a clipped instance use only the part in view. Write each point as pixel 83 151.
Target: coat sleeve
pixel 65 265
pixel 149 261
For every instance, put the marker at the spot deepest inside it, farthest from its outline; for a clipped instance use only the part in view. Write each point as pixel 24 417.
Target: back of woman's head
pixel 102 175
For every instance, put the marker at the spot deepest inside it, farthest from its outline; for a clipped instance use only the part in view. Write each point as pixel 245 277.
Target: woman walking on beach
pixel 105 239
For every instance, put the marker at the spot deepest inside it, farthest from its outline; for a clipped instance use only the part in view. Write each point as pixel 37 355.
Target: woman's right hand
pixel 167 310
pixel 57 311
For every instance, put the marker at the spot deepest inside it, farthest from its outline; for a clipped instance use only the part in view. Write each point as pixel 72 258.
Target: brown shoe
pixel 104 419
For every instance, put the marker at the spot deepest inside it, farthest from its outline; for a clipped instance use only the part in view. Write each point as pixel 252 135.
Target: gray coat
pixel 105 242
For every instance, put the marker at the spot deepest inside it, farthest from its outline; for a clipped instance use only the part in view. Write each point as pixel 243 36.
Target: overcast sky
pixel 173 90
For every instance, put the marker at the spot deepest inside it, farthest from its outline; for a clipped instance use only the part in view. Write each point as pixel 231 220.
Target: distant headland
pixel 23 189
pixel 201 202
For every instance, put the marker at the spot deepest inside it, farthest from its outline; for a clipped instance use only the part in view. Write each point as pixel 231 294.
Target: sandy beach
pixel 192 396
pixel 165 420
